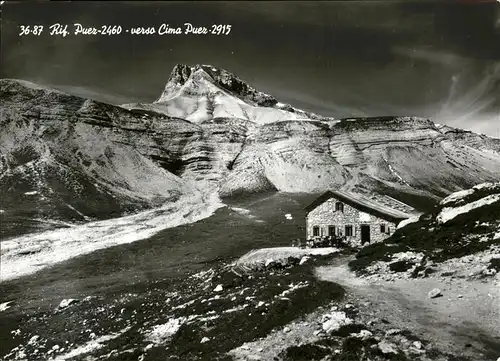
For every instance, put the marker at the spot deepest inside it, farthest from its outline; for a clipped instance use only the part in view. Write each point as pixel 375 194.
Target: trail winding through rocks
pixel 465 321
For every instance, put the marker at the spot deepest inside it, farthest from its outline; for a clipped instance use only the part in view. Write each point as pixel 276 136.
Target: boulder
pixel 336 320
pixel 67 302
pixel 387 348
pixel 435 293
pixel 417 345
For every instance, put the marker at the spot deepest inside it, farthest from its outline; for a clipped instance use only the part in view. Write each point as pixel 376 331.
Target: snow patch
pixel 448 213
pixel 4 306
pixel 303 260
pixel 204 340
pixel 281 254
pixel 78 212
pixel 452 198
pixel 240 210
pixel 408 221
pixel 236 309
pixel 396 174
pixel 31 193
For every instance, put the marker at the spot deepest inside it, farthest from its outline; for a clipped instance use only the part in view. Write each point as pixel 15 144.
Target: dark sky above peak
pixel 439 59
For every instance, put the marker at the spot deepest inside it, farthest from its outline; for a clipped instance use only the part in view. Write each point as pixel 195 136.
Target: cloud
pixel 432 56
pixel 481 96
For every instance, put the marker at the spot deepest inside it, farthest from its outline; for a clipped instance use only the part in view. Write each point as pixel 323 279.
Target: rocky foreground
pixel 200 317
pixel 265 306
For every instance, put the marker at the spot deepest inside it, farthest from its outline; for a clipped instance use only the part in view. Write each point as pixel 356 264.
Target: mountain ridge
pixel 142 156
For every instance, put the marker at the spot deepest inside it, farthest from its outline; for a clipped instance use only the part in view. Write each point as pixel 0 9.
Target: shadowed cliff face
pixel 66 158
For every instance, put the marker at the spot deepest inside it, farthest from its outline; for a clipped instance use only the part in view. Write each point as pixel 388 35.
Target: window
pixel 315 231
pixel 331 231
pixel 382 228
pixel 339 206
pixel 348 231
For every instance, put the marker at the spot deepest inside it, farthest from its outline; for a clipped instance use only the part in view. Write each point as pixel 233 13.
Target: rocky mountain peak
pixel 178 77
pixel 180 74
pixel 183 76
pixel 208 132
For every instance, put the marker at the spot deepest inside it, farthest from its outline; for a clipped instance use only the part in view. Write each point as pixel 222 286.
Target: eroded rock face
pixel 209 129
pixel 67 158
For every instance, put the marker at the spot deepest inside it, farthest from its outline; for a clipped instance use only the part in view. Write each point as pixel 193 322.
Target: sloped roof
pixel 361 203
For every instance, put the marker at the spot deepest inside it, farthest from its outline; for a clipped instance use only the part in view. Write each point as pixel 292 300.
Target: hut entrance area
pixel 365 234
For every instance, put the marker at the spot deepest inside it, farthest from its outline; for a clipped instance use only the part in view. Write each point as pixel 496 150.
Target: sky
pixel 437 59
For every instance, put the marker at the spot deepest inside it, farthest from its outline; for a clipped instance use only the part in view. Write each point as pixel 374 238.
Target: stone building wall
pixel 325 215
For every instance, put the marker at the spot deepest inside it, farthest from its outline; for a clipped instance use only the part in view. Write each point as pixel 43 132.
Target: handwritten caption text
pixel 110 30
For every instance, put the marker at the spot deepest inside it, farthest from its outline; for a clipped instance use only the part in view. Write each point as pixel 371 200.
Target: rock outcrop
pixel 459 238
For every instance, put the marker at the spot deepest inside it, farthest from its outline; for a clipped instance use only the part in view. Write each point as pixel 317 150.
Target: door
pixel 365 233
pixel 331 231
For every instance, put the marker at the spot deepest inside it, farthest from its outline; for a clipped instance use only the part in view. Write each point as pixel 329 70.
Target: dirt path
pixel 464 321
